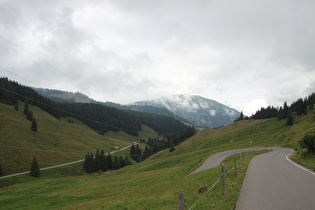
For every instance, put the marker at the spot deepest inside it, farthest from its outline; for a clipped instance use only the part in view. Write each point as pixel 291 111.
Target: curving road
pixel 273 182
pixel 215 160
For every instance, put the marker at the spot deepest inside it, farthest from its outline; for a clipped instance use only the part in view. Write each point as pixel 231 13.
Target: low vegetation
pixel 152 184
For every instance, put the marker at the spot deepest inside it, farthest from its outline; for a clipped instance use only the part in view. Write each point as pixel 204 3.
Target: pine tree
pixel 127 161
pixel 133 152
pixel 35 172
pixel 34 124
pixel 16 106
pixel 86 163
pixel 283 112
pixel 103 161
pixel 98 165
pixel 29 115
pixel 290 119
pixel 116 163
pixel 172 146
pixel 109 161
pixel 147 152
pixel 138 153
pixel 25 108
pixel 122 162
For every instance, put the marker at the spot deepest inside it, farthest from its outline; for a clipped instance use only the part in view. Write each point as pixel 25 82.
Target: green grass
pixel 155 183
pixel 54 143
pixel 133 187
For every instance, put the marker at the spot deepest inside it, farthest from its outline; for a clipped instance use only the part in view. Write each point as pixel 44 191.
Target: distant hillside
pixel 199 111
pixel 77 97
pixel 64 96
pixel 99 117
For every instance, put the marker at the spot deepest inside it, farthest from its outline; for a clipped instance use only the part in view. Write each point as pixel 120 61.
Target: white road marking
pixel 305 169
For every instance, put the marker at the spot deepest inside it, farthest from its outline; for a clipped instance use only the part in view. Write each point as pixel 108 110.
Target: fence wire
pixel 210 189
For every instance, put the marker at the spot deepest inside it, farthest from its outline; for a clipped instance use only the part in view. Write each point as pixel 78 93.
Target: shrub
pixel 308 142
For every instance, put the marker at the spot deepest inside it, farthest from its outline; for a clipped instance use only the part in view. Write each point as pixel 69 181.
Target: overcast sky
pixel 245 54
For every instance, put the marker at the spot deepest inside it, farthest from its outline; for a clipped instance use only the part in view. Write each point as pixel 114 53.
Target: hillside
pixel 99 117
pixel 64 96
pixel 70 97
pixel 154 183
pixel 55 142
pixel 197 110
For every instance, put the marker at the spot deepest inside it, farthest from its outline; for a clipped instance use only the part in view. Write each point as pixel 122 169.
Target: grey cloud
pixel 233 51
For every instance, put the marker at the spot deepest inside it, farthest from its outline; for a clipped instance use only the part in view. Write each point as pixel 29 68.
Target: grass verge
pixel 140 187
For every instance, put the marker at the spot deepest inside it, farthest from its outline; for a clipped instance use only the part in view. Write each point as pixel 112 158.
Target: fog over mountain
pixel 199 111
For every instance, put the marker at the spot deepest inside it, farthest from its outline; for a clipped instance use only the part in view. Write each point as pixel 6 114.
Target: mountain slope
pixel 197 110
pixel 163 173
pixel 55 142
pixel 77 97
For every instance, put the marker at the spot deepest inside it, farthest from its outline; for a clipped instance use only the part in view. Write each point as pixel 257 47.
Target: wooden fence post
pixel 223 179
pixel 181 205
pixel 235 165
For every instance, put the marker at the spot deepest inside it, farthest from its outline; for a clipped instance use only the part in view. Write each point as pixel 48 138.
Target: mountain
pixel 197 110
pixel 77 97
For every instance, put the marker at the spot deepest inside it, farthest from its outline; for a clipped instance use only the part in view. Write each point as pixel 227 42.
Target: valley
pixel 153 183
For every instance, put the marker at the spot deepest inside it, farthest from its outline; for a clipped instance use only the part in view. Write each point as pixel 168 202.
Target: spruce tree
pixel 35 172
pixel 86 163
pixel 29 115
pixel 133 152
pixel 290 119
pixel 25 108
pixel 103 161
pixel 127 161
pixel 34 124
pixel 109 161
pixel 98 165
pixel 122 162
pixel 116 164
pixel 172 146
pixel 138 153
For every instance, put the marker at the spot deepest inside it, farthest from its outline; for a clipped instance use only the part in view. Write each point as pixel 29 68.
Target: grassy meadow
pixel 54 143
pixel 152 184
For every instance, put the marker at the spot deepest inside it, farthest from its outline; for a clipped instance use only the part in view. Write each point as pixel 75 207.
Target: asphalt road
pixel 215 160
pixel 273 182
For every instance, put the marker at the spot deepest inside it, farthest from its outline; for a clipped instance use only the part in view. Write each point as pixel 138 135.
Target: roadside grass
pixel 155 183
pixel 307 160
pixel 129 188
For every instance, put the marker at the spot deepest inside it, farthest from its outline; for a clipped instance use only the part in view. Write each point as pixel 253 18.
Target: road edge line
pixel 298 165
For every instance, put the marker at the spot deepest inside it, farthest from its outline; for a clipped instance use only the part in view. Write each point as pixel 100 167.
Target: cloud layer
pixel 245 54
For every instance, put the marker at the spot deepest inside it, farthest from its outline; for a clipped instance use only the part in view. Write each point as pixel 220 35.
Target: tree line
pixel 285 112
pixel 155 145
pixel 100 162
pixel 98 117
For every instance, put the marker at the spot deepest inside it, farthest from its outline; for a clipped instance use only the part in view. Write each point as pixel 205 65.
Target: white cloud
pixel 246 54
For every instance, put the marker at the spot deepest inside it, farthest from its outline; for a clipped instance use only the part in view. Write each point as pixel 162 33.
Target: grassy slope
pixel 154 184
pixel 54 143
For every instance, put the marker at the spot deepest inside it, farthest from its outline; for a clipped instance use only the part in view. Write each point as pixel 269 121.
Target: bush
pixel 308 142
pixel 304 153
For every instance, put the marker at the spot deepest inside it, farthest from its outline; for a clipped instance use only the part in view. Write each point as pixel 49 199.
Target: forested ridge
pixel 99 117
pixel 288 112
